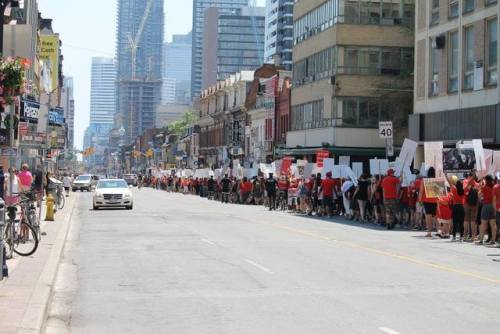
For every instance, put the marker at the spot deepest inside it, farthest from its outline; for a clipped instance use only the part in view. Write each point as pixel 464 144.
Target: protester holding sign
pixel 390 185
pixel 430 204
pixel 471 206
pixel 458 211
pixel 488 216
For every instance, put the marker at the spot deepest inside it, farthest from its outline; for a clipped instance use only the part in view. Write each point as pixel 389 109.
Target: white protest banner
pixel 480 155
pixel 295 171
pixel 408 177
pixel 488 159
pixel 317 169
pixel 301 163
pixel 357 168
pixel 495 167
pixel 344 160
pixel 308 169
pixel 423 169
pixel 277 167
pixel 406 155
pixel 433 156
pixel 379 166
pixel 328 164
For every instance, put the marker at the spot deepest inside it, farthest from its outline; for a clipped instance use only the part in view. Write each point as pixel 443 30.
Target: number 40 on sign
pixel 385 130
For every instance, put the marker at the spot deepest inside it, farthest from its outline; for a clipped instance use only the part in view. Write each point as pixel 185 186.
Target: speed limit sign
pixel 385 130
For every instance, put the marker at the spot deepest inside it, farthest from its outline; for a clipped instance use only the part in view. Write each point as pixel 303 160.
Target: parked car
pixel 112 193
pixel 131 179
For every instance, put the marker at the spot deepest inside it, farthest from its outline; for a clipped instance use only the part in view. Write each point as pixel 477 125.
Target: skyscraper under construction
pixel 139 54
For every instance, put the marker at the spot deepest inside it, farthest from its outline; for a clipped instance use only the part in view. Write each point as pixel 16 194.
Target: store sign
pixel 30 111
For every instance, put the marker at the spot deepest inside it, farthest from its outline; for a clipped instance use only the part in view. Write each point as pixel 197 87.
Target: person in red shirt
pixel 488 216
pixel 457 207
pixel 429 203
pixel 245 190
pixel 444 215
pixel 327 189
pixel 471 206
pixel 496 202
pixel 390 186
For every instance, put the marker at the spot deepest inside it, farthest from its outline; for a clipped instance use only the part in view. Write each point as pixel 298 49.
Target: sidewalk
pixel 24 295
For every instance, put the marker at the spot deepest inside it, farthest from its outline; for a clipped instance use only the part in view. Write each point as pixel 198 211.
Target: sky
pixel 87 29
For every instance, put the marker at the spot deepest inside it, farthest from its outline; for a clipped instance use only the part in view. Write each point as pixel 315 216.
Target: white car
pixel 113 193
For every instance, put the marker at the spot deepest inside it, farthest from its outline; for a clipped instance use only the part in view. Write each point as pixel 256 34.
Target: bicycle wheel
pixel 34 221
pixel 26 241
pixel 61 201
pixel 7 240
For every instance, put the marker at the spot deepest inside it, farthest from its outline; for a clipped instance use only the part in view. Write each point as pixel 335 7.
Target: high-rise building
pixel 68 104
pixel 279 33
pixel 456 95
pixel 102 91
pixel 353 65
pixel 223 54
pixel 139 83
pixel 177 70
pixel 199 7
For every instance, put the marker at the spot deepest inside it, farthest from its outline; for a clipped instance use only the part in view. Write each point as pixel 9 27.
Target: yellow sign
pixel 150 153
pixel 49 53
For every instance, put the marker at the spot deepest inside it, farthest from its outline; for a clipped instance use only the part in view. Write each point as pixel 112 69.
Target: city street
pixel 182 264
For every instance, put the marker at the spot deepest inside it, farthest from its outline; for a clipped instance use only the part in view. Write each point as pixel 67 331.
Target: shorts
pixel 498 219
pixel 487 212
pixel 430 209
pixel 443 221
pixel 470 213
pixel 328 202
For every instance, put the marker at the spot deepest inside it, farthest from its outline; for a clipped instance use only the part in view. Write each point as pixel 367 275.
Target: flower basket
pixel 12 79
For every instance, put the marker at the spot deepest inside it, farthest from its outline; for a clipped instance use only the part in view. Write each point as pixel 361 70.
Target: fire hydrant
pixel 49 216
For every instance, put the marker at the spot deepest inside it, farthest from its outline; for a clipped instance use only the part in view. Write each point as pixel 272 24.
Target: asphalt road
pixel 181 264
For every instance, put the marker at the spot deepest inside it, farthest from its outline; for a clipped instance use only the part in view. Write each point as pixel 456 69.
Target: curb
pixel 35 315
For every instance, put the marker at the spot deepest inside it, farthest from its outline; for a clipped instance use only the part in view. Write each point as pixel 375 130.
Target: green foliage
pixel 180 127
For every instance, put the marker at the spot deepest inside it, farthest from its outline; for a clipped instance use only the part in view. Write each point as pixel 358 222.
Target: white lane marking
pixel 209 242
pixel 261 267
pixel 388 330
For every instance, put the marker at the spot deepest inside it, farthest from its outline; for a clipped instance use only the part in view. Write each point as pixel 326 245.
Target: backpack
pixel 472 197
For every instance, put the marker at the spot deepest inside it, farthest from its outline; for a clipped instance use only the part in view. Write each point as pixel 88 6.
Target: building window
pixel 453 62
pixel 360 112
pixel 434 12
pixel 453 9
pixel 491 61
pixel 434 87
pixel 469 57
pixel 468 6
pixel 309 116
pixel 489 2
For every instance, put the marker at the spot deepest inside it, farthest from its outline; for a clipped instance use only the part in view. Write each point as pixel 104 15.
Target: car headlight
pixel 127 196
pixel 99 195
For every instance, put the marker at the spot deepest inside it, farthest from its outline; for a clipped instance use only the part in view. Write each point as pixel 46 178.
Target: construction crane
pixel 134 42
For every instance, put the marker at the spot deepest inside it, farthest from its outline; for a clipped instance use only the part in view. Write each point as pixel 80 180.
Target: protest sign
pixel 433 156
pixel 379 166
pixel 327 166
pixel 458 160
pixel 435 188
pixel 480 156
pixel 406 155
pixel 357 168
pixel 345 160
pixel 320 156
pixel 285 165
pixel 408 177
pixel 308 169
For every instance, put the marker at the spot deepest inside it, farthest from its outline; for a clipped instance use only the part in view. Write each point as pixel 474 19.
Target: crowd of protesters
pixel 469 211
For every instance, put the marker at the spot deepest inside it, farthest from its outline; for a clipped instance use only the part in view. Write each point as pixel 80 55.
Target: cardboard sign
pixel 328 165
pixel 357 168
pixel 406 156
pixel 480 155
pixel 308 170
pixel 379 166
pixel 408 177
pixel 320 156
pixel 458 160
pixel 433 156
pixel 435 188
pixel 345 160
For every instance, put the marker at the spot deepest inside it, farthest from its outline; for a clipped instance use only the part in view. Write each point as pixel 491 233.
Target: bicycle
pixel 19 236
pixel 31 212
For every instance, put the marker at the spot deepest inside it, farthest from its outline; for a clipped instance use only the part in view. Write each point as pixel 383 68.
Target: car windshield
pixel 83 178
pixel 112 184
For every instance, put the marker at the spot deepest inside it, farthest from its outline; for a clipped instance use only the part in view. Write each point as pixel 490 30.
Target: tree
pixel 180 127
